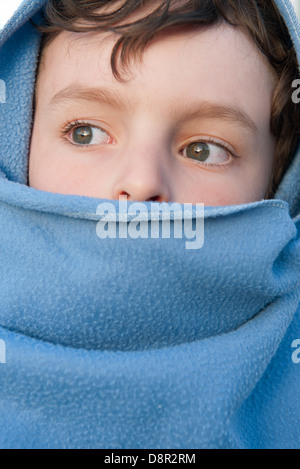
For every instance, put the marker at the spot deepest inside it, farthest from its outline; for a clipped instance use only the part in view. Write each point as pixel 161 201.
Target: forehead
pixel 219 61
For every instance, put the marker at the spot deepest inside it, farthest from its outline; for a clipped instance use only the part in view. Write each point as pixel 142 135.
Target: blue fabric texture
pixel 140 343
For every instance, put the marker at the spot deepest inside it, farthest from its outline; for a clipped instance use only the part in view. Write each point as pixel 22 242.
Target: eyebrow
pixel 204 109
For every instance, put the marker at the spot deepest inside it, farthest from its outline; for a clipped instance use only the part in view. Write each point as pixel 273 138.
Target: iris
pixel 83 135
pixel 198 151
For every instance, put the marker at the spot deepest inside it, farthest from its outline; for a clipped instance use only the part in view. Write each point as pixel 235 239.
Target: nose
pixel 143 175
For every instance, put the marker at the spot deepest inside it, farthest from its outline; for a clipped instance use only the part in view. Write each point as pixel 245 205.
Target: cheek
pixel 212 189
pixel 224 194
pixel 233 187
pixel 35 162
pixel 259 177
pixel 41 176
pixel 44 171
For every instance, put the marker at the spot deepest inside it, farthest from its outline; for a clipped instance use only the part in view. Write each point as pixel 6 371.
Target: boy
pixel 138 342
pixel 205 116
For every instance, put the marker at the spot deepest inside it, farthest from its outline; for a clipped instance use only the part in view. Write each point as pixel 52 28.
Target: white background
pixel 7 7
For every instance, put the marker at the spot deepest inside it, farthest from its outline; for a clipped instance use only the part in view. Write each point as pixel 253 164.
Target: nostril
pixel 124 194
pixel 130 197
pixel 154 199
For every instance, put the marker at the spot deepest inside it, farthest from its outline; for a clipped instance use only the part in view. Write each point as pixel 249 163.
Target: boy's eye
pixel 88 135
pixel 205 152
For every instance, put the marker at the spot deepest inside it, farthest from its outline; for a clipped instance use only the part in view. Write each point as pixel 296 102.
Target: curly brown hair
pixel 260 18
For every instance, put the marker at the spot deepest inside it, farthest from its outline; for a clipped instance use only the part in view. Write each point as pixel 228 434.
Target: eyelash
pixel 73 125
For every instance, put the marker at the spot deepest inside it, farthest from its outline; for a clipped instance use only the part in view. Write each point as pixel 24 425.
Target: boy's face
pixel 190 124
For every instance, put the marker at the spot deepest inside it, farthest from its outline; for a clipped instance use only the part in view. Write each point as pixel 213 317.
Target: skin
pixel 147 143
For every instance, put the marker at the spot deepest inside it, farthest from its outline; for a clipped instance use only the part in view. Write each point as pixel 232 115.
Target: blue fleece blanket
pixel 140 343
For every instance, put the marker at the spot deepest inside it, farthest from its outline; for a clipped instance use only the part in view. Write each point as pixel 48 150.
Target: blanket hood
pixel 140 342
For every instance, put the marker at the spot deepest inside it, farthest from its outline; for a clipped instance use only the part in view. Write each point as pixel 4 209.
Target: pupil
pixel 83 135
pixel 198 151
